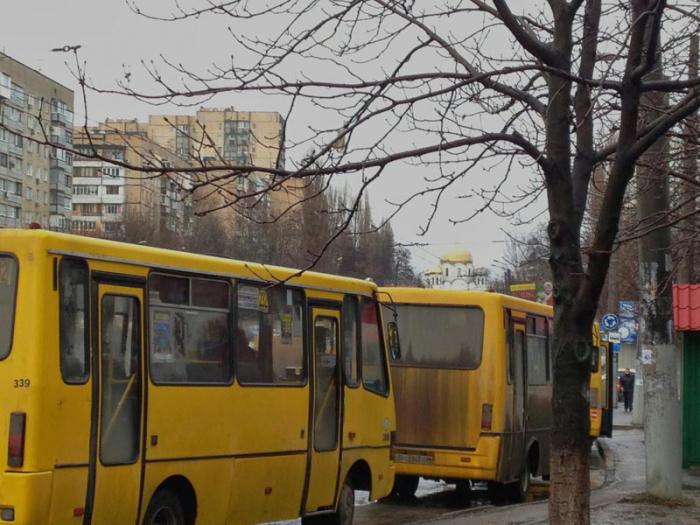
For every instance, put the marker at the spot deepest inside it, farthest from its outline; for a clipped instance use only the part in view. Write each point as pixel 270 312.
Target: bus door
pixel 607 389
pixel 117 414
pixel 324 455
pixel 518 371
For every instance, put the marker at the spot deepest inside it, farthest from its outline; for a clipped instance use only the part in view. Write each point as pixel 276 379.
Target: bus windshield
pixel 440 336
pixel 8 285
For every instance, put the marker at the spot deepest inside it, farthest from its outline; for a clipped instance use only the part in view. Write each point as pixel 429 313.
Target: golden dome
pixel 458 255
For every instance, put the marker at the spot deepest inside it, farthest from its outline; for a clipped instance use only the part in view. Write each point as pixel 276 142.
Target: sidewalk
pixel 617 502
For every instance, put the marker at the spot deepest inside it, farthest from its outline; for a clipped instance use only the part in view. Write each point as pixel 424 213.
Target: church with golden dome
pixel 457 272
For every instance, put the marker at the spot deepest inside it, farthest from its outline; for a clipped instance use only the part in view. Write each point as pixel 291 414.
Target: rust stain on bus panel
pixel 436 408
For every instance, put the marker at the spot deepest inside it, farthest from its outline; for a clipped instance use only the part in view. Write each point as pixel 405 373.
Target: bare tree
pixel 430 84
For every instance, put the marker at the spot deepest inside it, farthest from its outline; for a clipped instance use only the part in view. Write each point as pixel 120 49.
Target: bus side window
pixel 73 315
pixel 350 341
pixel 374 370
pixel 270 336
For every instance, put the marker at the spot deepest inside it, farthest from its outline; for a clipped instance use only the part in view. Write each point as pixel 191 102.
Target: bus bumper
pixel 479 464
pixel 28 494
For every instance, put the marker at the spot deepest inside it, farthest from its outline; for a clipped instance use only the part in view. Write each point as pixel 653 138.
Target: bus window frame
pixel 88 321
pixel 401 362
pixel 14 305
pixel 382 348
pixel 147 324
pixel 531 324
pixel 358 339
pixel 304 334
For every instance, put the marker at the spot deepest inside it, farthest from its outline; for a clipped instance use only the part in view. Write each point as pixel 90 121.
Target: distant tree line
pixel 362 247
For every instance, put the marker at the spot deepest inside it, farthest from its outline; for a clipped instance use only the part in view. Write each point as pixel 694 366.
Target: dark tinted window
pixel 190 343
pixel 73 297
pixel 374 371
pixel 8 294
pixel 440 336
pixel 270 335
pixel 169 289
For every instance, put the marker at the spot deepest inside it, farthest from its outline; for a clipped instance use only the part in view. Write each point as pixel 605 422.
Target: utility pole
pixel 686 272
pixel 659 357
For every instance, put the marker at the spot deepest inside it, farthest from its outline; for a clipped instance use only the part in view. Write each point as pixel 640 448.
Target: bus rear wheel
pixel 343 514
pixel 405 486
pixel 164 509
pixel 518 490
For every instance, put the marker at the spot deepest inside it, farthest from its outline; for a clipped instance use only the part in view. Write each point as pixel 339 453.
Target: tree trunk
pixel 570 454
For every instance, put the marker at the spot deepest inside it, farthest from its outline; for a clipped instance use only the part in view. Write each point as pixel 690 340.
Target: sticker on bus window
pixel 287 323
pixel 263 304
pixel 248 297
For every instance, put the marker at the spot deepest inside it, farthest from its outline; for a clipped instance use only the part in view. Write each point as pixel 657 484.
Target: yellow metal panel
pixel 22 491
pixel 68 494
pixel 211 480
pixel 266 488
pixel 481 463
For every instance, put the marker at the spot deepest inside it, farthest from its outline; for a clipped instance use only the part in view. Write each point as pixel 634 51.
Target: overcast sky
pixel 114 39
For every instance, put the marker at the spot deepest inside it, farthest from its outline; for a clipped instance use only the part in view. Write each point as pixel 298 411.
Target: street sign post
pixel 610 321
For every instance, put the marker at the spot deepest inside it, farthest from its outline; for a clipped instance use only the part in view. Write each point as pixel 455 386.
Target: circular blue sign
pixel 610 321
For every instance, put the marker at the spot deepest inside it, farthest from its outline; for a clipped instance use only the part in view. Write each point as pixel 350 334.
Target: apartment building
pixel 226 136
pixel 35 180
pixel 112 200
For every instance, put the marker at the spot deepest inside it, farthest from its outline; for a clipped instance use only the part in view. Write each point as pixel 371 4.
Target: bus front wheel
pixel 343 514
pixel 164 509
pixel 405 486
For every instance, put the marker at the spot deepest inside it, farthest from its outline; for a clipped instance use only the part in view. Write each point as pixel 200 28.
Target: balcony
pixel 15 125
pixel 14 198
pixel 55 163
pixel 15 150
pixel 9 222
pixel 60 117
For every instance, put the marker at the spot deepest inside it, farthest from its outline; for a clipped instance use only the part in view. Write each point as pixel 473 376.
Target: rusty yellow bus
pixel 473 389
pixel 145 386
pixel 601 387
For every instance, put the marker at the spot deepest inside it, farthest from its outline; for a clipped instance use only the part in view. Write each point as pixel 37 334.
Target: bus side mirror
pixel 394 344
pixel 595 359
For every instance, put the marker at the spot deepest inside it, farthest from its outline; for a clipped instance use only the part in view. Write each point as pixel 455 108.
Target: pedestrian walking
pixel 627 384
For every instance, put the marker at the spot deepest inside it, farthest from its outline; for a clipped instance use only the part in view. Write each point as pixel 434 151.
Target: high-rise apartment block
pixel 35 179
pixel 227 137
pixel 115 197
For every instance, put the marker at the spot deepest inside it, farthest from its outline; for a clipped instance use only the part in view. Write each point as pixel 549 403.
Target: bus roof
pixel 437 296
pixel 164 259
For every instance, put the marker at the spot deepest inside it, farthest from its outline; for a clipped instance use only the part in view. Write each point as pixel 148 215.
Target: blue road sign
pixel 610 321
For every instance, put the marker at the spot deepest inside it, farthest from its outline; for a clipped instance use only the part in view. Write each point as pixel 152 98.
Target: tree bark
pixel 570 455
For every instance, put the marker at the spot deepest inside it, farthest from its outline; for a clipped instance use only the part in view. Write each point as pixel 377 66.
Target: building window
pixel 112 190
pixel 113 209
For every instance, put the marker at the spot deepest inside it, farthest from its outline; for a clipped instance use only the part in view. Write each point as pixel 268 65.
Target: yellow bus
pixel 473 389
pixel 601 387
pixel 146 386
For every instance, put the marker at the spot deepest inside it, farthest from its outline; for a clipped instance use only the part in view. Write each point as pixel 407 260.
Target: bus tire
pixel 405 486
pixel 518 490
pixel 497 493
pixel 165 508
pixel 344 512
